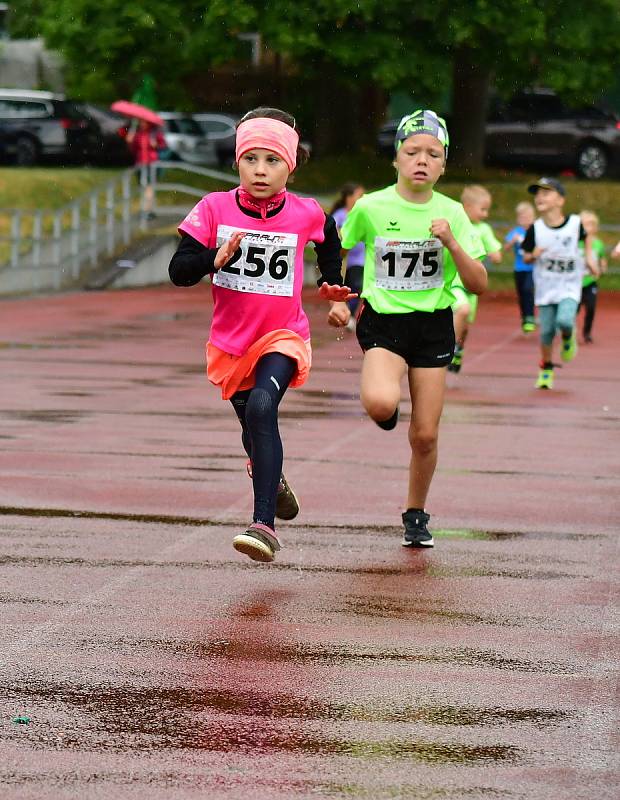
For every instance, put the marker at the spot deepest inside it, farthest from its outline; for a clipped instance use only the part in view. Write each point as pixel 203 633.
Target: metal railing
pixel 45 249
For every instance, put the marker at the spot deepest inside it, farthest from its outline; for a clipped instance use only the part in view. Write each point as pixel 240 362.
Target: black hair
pixel 346 191
pixel 303 153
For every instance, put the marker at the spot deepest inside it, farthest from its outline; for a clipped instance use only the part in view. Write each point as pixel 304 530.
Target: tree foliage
pixel 423 47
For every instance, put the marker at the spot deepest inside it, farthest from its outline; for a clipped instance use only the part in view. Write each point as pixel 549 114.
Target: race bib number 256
pixel 263 264
pixel 408 265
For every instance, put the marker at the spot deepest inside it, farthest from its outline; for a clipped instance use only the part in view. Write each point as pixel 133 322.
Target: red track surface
pixel 155 662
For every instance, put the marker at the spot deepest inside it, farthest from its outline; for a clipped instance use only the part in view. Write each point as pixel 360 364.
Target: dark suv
pixel 535 129
pixel 39 125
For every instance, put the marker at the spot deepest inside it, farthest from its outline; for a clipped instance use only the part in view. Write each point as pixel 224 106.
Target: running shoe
pixel 545 378
pixel 416 533
pixel 528 325
pixel 569 347
pixel 457 360
pixel 287 504
pixel 389 424
pixel 259 542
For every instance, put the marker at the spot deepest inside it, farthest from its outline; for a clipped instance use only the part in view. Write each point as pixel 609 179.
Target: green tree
pixel 342 52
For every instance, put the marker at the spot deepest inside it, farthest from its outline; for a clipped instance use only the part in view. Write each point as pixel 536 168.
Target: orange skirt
pixel 237 373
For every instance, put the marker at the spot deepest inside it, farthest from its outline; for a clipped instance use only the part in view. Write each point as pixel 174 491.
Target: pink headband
pixel 269 134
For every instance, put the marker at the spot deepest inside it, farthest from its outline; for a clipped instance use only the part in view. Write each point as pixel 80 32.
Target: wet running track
pixel 145 658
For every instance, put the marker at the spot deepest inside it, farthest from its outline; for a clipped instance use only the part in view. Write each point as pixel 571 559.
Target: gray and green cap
pixel 422 121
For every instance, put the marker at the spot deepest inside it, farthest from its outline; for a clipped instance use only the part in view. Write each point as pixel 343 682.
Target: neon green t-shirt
pixel 598 248
pixel 405 268
pixel 490 244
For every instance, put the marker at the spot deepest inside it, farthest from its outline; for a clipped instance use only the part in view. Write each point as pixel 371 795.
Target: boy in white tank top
pixel 551 244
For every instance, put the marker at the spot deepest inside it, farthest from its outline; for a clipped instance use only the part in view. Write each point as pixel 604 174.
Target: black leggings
pixel 257 409
pixel 588 300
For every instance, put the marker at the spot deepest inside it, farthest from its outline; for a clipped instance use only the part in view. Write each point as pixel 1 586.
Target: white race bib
pixel 263 264
pixel 408 266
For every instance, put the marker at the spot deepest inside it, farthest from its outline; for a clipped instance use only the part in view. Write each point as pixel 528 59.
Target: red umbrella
pixel 136 111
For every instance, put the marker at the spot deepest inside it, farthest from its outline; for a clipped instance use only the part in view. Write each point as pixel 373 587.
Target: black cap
pixel 547 183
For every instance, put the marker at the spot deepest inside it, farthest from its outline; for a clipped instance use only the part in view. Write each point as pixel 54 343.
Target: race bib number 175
pixel 410 266
pixel 263 264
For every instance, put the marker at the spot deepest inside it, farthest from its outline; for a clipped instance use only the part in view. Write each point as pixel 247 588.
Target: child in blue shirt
pixel 524 282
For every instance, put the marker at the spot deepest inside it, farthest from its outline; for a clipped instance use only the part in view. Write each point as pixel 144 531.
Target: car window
pixel 171 126
pixel 535 108
pixel 189 126
pixel 22 109
pixel 216 126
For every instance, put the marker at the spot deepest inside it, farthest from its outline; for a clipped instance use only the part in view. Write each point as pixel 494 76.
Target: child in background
pixel 251 241
pixel 589 289
pixel 354 275
pixel 524 281
pixel 476 201
pixel 416 241
pixel 551 244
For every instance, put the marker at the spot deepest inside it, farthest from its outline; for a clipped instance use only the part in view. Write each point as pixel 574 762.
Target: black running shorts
pixel 422 338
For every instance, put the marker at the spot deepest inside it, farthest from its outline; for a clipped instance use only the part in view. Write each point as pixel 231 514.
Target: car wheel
pixel 26 152
pixel 592 161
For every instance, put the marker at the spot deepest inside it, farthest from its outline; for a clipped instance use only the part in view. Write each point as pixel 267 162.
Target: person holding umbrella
pixel 145 143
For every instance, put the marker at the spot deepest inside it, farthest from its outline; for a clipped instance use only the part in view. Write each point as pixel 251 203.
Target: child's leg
pixel 547 317
pixel 461 319
pixel 588 298
pixel 382 372
pixel 354 278
pixel 258 412
pixel 565 317
pixel 528 295
pixel 427 387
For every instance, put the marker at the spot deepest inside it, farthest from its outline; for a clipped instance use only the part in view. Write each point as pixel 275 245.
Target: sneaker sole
pixel 252 547
pixel 428 543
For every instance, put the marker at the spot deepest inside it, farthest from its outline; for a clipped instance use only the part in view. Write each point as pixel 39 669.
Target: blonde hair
pixel 524 206
pixel 591 215
pixel 475 194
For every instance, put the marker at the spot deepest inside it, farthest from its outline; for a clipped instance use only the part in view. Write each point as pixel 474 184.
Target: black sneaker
pixel 389 424
pixel 416 532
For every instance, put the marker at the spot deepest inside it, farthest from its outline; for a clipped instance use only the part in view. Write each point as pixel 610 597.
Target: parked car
pixel 219 129
pixel 110 146
pixel 185 139
pixel 44 125
pixel 536 129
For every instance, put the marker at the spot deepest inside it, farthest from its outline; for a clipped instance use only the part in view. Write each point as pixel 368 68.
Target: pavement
pixel 142 657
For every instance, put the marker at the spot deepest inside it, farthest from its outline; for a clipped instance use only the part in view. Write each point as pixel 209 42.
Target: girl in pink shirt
pixel 251 241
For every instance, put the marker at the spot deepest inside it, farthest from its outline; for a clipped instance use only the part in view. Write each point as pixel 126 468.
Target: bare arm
pixel 472 272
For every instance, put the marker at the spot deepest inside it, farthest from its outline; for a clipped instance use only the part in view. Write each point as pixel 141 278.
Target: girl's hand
pixel 336 294
pixel 339 315
pixel 228 249
pixel 440 229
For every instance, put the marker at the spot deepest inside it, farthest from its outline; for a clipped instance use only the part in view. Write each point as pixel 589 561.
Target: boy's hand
pixel 440 229
pixel 593 268
pixel 336 294
pixel 538 251
pixel 228 249
pixel 339 314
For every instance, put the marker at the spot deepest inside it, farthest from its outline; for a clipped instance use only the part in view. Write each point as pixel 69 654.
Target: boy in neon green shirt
pixel 416 240
pixel 477 204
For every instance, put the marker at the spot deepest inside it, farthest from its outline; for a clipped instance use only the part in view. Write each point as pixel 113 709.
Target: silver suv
pixel 35 126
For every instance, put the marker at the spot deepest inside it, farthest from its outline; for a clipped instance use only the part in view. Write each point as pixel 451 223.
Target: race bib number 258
pixel 408 265
pixel 263 264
